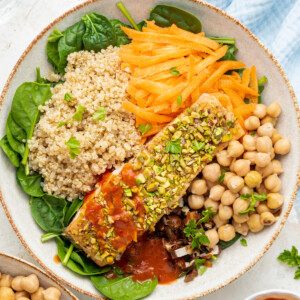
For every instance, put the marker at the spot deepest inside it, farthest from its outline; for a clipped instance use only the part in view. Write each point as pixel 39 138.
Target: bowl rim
pixel 292 94
pixel 279 292
pixel 38 270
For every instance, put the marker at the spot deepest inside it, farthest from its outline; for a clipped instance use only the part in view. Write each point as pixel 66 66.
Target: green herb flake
pixel 63 123
pixel 221 178
pixel 202 270
pixel 73 145
pixel 173 146
pixel 246 100
pixel 144 128
pixel 199 262
pixel 174 71
pixel 214 258
pixel 253 133
pixel 254 198
pixel 207 214
pixel 290 257
pixel 179 100
pixel 230 124
pixel 68 97
pixel 297 273
pixel 100 114
pixel 244 242
pixel 78 115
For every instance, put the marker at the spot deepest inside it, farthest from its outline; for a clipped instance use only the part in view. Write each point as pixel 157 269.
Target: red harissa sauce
pixel 148 259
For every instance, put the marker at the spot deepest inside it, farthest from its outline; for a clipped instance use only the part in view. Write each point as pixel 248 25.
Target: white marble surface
pixel 25 21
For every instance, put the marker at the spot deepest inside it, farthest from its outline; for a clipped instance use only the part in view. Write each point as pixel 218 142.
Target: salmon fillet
pixel 126 204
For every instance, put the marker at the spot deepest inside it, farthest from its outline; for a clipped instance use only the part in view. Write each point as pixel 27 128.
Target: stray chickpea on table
pixel 245 169
pixel 25 288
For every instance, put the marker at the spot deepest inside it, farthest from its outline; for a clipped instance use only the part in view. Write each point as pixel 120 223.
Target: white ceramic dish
pixel 16 266
pixel 236 260
pixel 274 294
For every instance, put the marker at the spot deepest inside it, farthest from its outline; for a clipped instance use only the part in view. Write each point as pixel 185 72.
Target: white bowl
pixel 16 266
pixel 232 262
pixel 274 294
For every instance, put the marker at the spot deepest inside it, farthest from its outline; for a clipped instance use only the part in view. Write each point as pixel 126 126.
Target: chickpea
pixel 30 283
pixel 267 218
pixel 226 232
pixel 277 167
pixel 274 109
pixel 196 201
pixel 199 187
pixel 250 155
pixel 253 179
pixel 262 207
pixel 246 190
pixel 223 158
pixel 24 298
pixel 38 295
pixel 16 283
pixel 264 144
pixel 23 294
pixel 228 197
pixel 227 176
pixel 275 200
pixel 219 222
pixel 260 111
pixel 265 130
pixel 252 123
pixel 254 223
pixel 261 189
pixel 235 183
pixel 272 153
pixel 216 192
pixel 275 136
pixel 283 146
pixel 212 172
pixel 266 171
pixel 268 119
pixel 231 167
pixel 241 167
pixel 273 183
pixel 235 149
pixel 211 203
pixel 6 293
pixel 213 237
pixel 241 218
pixel 210 184
pixel 51 293
pixel 240 205
pixel 225 212
pixel 249 142
pixel 262 159
pixel 241 228
pixel 5 280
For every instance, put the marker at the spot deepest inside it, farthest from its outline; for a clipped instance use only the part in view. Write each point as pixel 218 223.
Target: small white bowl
pixel 15 266
pixel 274 294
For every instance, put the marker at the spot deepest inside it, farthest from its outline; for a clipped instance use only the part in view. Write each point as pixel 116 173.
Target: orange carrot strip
pixel 171 93
pixel 253 84
pixel 246 77
pixel 235 99
pixel 245 109
pixel 191 67
pixel 150 86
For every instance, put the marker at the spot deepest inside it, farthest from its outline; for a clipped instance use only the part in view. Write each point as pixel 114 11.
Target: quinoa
pixel 94 80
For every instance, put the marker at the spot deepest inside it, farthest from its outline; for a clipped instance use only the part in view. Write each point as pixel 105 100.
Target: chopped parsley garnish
pixel 221 178
pixel 68 97
pixel 292 259
pixel 230 124
pixel 246 100
pixel 198 146
pixel 174 71
pixel 78 115
pixel 199 262
pixel 73 145
pixel 253 133
pixel 144 128
pixel 206 215
pixel 244 242
pixel 179 100
pixel 254 198
pixel 100 114
pixel 64 123
pixel 202 270
pixel 174 146
pixel 261 86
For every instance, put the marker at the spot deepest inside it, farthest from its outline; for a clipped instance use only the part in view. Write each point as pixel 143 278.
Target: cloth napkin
pixel 277 24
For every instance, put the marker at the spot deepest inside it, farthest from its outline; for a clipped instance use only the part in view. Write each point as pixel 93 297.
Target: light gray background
pixel 17 29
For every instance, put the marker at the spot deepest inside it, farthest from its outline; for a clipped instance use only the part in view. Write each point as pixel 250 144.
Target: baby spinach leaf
pixel 71 210
pixel 25 108
pixel 17 132
pixel 48 212
pixel 123 288
pixel 17 146
pixel 121 37
pixel 99 33
pixel 11 154
pixel 229 55
pixel 30 184
pixel 166 15
pixel 55 35
pixel 126 13
pixel 225 245
pixel 78 263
